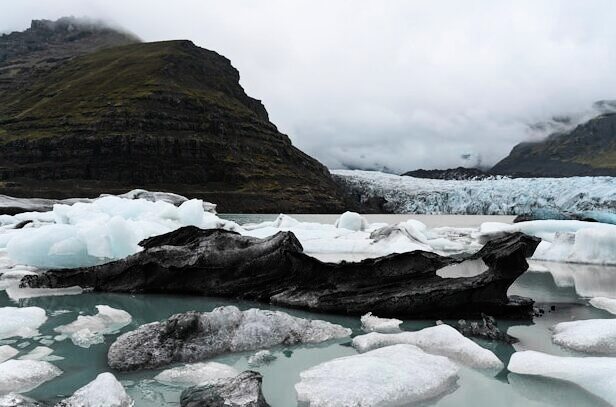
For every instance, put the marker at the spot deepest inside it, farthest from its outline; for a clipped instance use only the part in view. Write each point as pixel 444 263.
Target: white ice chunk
pixel 21 376
pixel 391 376
pixel 372 323
pixel 89 330
pixel 590 335
pixel 104 391
pixel 7 352
pixel 594 374
pixel 604 303
pixel 196 373
pixel 351 221
pixel 22 322
pixel 441 340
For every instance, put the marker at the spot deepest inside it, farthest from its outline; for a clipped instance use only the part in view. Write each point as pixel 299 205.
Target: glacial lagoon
pixel 566 287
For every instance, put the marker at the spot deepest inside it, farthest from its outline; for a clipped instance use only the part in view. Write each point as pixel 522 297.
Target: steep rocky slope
pixel 588 149
pixel 163 116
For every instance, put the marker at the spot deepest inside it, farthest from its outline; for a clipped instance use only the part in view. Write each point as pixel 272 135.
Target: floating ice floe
pixel 442 340
pixel 391 376
pixel 570 241
pixel 372 323
pixel 588 280
pixel 38 353
pixel 503 196
pixel 104 391
pixel 590 335
pixel 16 293
pixel 21 376
pixel 604 303
pixel 23 322
pixel 89 233
pixel 193 374
pixel 596 375
pixel 7 352
pixel 89 330
pixel 261 357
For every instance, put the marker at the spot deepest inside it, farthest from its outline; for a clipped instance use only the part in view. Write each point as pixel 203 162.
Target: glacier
pixel 498 196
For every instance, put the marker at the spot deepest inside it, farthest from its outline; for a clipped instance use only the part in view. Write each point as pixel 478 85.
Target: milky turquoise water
pixel 80 365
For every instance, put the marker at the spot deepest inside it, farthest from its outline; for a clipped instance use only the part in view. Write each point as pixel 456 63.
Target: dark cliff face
pixel 589 149
pixel 162 116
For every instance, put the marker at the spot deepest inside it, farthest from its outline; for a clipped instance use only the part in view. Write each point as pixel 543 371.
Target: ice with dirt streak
pixel 88 330
pixel 596 375
pixel 442 340
pixel 390 376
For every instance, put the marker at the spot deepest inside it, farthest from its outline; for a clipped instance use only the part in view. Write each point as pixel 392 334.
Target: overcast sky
pixel 395 84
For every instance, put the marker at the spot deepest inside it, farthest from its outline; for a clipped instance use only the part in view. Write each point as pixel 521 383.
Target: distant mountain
pixel 460 173
pixel 86 109
pixel 587 149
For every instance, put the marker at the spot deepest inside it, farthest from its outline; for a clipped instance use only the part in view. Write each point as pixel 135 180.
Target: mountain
pixel 103 118
pixel 587 149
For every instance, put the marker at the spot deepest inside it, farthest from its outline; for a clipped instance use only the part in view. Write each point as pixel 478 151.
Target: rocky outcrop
pixel 241 391
pixel 275 270
pixel 165 116
pixel 196 336
pixel 587 150
pixel 487 328
pixel 460 173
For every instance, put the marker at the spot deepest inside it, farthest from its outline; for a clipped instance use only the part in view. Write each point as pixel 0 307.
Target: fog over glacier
pixel 392 85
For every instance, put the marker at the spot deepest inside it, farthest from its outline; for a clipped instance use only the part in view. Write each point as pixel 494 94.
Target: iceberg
pixel 194 336
pixel 442 340
pixel 20 376
pixel 351 221
pixel 104 391
pixel 108 228
pixel 604 303
pixel 499 196
pixel 23 322
pixel 596 375
pixel 89 330
pixel 196 374
pixel 372 323
pixel 391 376
pixel 243 390
pixel 591 335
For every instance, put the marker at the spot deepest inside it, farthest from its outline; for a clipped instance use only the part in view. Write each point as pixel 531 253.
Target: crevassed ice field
pixel 54 342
